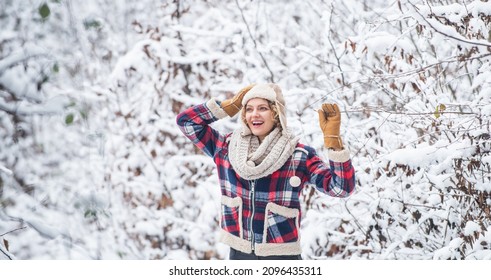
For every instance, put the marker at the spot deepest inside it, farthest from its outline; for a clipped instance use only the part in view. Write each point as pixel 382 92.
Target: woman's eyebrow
pixel 260 105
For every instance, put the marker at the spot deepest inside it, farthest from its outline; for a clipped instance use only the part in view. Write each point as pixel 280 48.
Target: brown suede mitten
pixel 330 123
pixel 233 105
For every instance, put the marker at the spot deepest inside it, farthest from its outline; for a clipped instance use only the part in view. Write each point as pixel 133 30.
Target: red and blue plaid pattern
pixel 230 220
pixel 281 229
pixel 336 179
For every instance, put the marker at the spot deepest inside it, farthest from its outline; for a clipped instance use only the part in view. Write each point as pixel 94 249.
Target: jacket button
pixel 295 181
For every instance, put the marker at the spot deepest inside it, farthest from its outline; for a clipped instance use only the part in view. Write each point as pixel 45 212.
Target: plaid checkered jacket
pixel 263 215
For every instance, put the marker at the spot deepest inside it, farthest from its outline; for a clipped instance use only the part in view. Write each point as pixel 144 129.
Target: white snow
pixel 6 170
pixel 471 227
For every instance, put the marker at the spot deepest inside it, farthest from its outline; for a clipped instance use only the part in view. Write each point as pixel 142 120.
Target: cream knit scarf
pixel 252 160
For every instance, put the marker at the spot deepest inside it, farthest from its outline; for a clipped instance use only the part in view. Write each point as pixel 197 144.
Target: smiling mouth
pixel 257 123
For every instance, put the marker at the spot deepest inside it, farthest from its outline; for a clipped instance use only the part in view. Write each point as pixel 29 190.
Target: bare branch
pixel 392 112
pixel 338 58
pixel 4 251
pixel 14 230
pixel 255 43
pixel 424 68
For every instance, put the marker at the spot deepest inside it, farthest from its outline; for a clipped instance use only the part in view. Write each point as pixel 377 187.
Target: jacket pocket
pixel 281 224
pixel 231 220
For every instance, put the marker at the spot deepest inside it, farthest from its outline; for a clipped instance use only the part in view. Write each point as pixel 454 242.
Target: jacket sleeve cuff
pixel 338 156
pixel 215 109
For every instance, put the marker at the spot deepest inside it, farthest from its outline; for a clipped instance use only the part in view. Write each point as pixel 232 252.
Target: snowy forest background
pixel 92 165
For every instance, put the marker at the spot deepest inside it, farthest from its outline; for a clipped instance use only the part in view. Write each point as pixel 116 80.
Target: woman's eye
pixel 261 109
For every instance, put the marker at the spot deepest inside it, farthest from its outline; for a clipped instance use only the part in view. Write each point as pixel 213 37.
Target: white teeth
pixel 257 123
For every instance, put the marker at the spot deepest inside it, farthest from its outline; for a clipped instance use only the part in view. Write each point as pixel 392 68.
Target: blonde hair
pixel 272 106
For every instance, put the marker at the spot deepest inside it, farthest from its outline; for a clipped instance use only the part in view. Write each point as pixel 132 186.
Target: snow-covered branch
pixel 52 106
pixel 4 252
pixel 443 29
pixel 20 57
pixel 6 170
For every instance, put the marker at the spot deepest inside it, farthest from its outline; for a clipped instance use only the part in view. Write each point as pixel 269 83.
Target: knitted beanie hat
pixel 271 92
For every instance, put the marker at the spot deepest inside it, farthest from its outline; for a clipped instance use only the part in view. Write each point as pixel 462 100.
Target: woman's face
pixel 259 117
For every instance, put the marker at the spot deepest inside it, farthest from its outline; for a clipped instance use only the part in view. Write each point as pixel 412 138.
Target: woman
pixel 262 168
